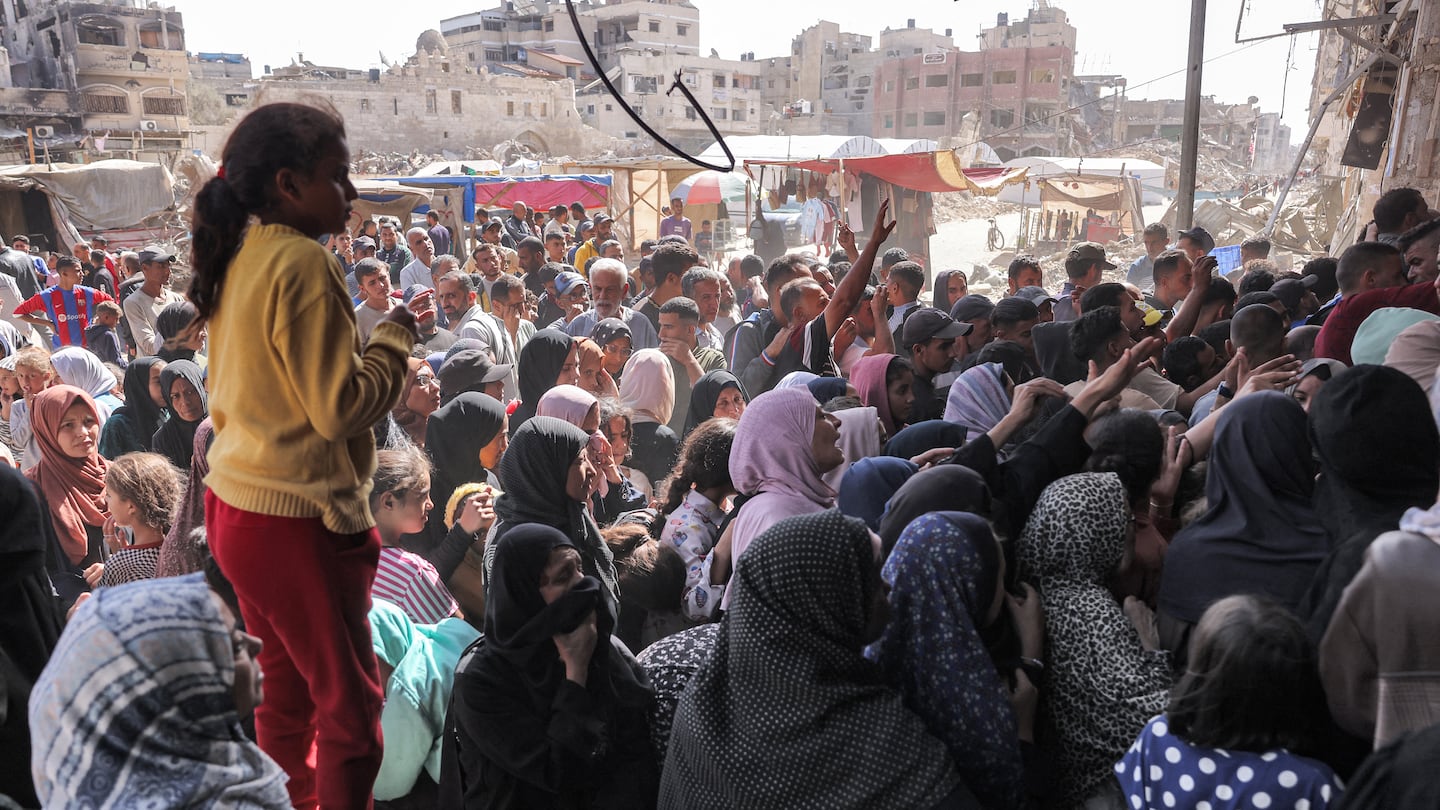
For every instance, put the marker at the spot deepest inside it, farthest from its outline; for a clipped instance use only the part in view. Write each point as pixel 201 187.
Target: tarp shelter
pixel 539 192
pixel 793 147
pixel 58 200
pixel 389 198
pixel 1151 175
pixel 918 171
pixel 1069 200
pixel 639 188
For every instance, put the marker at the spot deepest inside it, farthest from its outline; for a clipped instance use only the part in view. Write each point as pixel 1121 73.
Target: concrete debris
pixel 959 205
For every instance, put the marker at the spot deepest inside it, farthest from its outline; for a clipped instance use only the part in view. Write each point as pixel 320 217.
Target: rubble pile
pixel 961 205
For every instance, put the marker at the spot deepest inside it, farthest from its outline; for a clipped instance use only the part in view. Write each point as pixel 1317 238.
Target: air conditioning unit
pixel 44 132
pixel 149 126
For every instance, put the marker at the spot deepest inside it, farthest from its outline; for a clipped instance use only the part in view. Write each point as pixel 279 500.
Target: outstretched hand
pixel 880 231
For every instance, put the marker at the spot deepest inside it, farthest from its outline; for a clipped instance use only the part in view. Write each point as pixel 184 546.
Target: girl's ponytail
pixel 704 461
pixel 271 138
pixel 217 224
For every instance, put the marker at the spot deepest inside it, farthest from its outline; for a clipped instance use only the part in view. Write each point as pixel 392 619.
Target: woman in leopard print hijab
pixel 1102 683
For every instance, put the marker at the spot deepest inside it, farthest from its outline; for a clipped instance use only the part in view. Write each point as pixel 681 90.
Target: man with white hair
pixel 608 282
pixel 422 251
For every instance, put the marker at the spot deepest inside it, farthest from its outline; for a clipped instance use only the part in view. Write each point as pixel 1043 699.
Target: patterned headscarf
pixel 942 577
pixel 1104 685
pixel 787 712
pixel 977 398
pixel 137 703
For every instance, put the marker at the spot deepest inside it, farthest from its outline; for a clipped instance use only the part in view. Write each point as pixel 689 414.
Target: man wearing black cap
pixel 1298 296
pixel 494 233
pixel 143 305
pixel 1196 242
pixel 472 370
pixel 976 311
pixel 929 340
pixel 1085 267
pixel 1044 302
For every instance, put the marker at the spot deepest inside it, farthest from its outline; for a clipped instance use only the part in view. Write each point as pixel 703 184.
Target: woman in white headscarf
pixel 647 388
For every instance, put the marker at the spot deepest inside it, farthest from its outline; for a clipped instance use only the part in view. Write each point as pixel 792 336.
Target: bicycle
pixel 995 239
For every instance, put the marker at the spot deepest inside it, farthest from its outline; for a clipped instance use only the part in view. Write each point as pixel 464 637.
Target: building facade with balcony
pixel 121 70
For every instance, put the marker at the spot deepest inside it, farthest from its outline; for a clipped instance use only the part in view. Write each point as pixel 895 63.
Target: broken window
pixel 1002 77
pixel 643 84
pixel 1042 76
pixel 97 30
pixel 430 101
pixel 494 55
pixel 364 105
pixel 972 79
pixel 912 83
pixel 455 96
pixel 1002 118
pixel 493 25
pixel 718 80
pixel 165 37
pixel 654 26
pixel 241 100
pixel 104 104
pixel 550 25
pixel 163 105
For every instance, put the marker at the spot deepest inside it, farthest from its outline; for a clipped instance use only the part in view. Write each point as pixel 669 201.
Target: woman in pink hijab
pixel 573 404
pixel 884 382
pixel 783 447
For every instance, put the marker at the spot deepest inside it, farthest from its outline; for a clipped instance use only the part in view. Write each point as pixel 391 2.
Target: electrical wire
pixel 678 84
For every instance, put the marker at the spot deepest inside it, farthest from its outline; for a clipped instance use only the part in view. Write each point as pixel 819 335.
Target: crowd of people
pixel 556 526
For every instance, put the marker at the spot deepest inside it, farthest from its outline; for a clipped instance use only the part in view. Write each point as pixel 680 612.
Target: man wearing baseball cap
pixel 928 338
pixel 472 370
pixel 143 305
pixel 1085 267
pixel 1196 242
pixel 1044 302
pixel 572 293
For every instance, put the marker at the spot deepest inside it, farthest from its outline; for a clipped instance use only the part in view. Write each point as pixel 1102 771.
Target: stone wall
pixel 434 104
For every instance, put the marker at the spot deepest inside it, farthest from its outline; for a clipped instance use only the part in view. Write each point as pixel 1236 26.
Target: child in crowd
pixel 695 505
pixel 103 336
pixel 705 240
pixel 9 397
pixel 1250 698
pixel 616 425
pixel 33 370
pixel 400 501
pixel 142 491
pixel 287 511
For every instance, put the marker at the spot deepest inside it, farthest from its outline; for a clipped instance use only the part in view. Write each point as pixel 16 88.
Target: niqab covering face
pixel 837 736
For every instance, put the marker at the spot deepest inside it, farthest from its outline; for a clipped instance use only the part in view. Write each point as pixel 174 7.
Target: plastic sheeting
pixel 539 192
pixel 107 194
pixel 935 171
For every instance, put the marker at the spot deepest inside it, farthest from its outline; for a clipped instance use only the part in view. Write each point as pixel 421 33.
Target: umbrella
pixel 710 187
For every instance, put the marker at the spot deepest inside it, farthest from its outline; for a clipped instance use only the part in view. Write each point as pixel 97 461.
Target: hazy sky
pixel 1141 41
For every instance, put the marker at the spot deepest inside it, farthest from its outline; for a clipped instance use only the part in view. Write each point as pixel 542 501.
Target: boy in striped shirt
pixel 67 308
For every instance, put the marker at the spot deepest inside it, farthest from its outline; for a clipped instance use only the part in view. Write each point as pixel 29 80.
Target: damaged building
pixel 433 102
pixel 104 79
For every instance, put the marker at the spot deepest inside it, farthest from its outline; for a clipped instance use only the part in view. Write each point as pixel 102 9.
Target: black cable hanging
pixel 634 116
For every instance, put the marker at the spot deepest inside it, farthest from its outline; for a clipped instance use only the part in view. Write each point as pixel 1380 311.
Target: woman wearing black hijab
pixel 456 437
pixel 548 360
pixel 170 325
pixel 706 395
pixel 1260 533
pixel 947 488
pixel 548 478
pixel 31 618
pixel 1379 454
pixel 132 425
pixel 547 711
pixel 187 403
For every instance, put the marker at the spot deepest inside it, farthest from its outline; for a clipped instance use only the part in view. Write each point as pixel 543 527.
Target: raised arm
pixel 847 293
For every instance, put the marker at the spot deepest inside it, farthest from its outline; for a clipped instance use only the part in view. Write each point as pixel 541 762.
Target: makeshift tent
pixel 639 188
pixel 388 198
pixel 1151 175
pixel 539 192
pixel 58 200
pixel 452 167
pixel 1094 207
